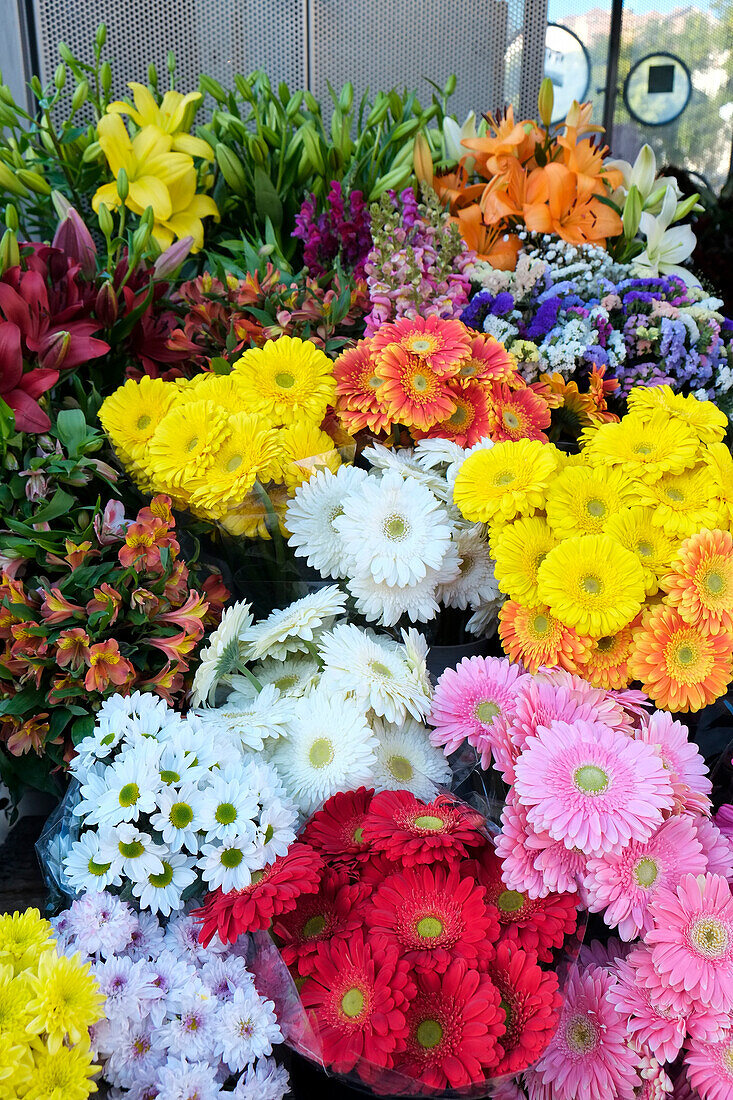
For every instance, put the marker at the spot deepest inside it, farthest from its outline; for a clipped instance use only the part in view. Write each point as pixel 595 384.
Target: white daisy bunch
pixel 339 706
pixel 180 1021
pixel 393 534
pixel 171 807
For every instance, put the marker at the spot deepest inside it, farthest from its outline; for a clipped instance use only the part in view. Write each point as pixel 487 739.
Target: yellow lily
pixel 150 165
pixel 173 116
pixel 188 209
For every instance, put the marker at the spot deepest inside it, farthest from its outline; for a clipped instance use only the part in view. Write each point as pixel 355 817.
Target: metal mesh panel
pixel 218 37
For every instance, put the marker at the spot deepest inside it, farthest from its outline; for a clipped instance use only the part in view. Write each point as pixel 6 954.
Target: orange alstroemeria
pixel 55 608
pixel 72 647
pixel 28 735
pixel 189 616
pixel 106 599
pixel 493 245
pixel 166 683
pixel 176 647
pixel 553 206
pixel 107 666
pixel 143 544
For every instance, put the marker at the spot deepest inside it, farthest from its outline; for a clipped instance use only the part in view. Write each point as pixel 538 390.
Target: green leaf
pixel 60 504
pixel 71 427
pixel 219 365
pixel 27 699
pixel 267 200
pixel 81 728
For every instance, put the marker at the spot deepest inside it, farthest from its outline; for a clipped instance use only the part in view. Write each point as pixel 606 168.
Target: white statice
pixel 221 656
pixel 475 584
pixel 265 1080
pixel 250 721
pixel 246 1029
pixel 294 628
pixel 406 760
pixel 310 517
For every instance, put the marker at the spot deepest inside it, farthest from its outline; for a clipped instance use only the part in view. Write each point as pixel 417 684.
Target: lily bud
pixel 101 36
pixel 59 77
pixel 92 152
pixel 168 263
pixel 170 62
pixel 9 182
pixel 33 181
pixel 105 76
pixel 106 223
pixel 685 207
pixel 54 350
pixel 152 76
pixel 294 105
pixel 346 98
pixel 379 110
pixel 312 103
pixel 123 185
pixel 423 159
pixel 80 95
pixel 11 217
pixel 9 251
pixel 231 169
pixel 73 238
pixel 105 305
pixel 631 216
pixel 546 101
pixel 450 86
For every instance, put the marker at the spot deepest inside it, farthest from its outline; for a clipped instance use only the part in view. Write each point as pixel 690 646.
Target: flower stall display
pixel 616 561
pixel 51 1006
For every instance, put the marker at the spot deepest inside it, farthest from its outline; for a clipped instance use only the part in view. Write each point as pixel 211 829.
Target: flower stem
pixel 251 677
pixel 313 650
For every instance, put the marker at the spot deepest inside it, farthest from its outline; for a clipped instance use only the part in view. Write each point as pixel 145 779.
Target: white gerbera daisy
pixel 373 669
pixel 416 649
pixel 330 748
pixel 406 760
pixel 431 453
pixel 286 630
pixel 84 868
pixel 475 584
pixel 223 652
pixel 485 619
pixel 403 462
pixel 228 865
pixel 385 604
pixel 394 529
pixel 163 893
pixel 250 722
pixel 310 514
pixel 295 676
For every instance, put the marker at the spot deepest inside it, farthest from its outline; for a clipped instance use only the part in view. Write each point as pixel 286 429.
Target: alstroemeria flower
pixel 107 666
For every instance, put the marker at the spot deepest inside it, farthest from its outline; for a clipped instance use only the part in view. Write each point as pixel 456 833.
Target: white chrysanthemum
pixel 130 852
pixel 286 630
pixel 475 584
pixel 265 1080
pixel 178 817
pixel 331 748
pixel 131 784
pixel 310 514
pixel 229 808
pixel 295 676
pixel 223 652
pixel 406 760
pixel 404 462
pixel 394 529
pixel 485 619
pixel 250 721
pixel 84 868
pixel 163 893
pixel 373 669
pixel 228 865
pixel 246 1028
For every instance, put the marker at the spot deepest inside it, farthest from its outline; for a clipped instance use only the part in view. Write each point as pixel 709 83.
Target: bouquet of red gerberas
pixel 418 971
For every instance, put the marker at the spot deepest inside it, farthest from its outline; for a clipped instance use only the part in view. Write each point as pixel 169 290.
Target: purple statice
pixel 342 232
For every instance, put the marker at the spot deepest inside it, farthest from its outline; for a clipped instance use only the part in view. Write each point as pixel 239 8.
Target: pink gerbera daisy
pixel 724 821
pixel 471 700
pixel 662 1029
pixel 682 759
pixel 588 1057
pixel 622 884
pixel 718 849
pixel 608 709
pixel 406 829
pixel 592 787
pixel 692 941
pixel 540 702
pixel 710 1068
pixel 534 863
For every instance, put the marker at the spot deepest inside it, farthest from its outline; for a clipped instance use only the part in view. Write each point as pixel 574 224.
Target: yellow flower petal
pixel 150 191
pixel 195 147
pixel 151 143
pixel 115 143
pixel 106 195
pixel 170 167
pixel 147 108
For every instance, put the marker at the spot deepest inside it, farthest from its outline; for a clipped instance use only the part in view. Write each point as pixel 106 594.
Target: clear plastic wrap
pixel 60 830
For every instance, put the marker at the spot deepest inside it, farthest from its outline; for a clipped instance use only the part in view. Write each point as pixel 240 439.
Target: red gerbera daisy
pixel 455 1022
pixel 535 924
pixel 357 387
pixel 406 829
pixel 412 393
pixel 489 361
pixel 329 914
pixel 358 993
pixel 441 344
pixel 373 871
pixel 518 414
pixel 273 891
pixel 434 916
pixel 336 829
pixel 531 1001
pixel 469 422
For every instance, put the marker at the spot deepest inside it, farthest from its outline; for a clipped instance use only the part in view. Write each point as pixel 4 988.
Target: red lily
pixel 21 390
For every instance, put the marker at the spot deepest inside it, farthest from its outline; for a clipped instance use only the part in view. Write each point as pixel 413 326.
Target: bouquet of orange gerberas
pixel 551 178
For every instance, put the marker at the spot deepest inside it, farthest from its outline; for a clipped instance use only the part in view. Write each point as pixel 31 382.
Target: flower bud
pixel 9 251
pixel 73 238
pixel 631 216
pixel 59 77
pixel 65 53
pixel 546 101
pixel 423 159
pixel 106 222
pixel 123 186
pixel 346 98
pixel 231 169
pixel 11 217
pixel 450 86
pixel 169 261
pixel 105 305
pixel 92 152
pixel 170 62
pixel 36 87
pixel 293 105
pixel 213 88
pixel 100 36
pixel 79 98
pixel 33 181
pixel 105 76
pixel 54 349
pixel 312 103
pixel 9 182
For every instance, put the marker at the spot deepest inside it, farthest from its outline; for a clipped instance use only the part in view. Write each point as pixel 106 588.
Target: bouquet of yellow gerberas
pixel 49 1001
pixel 618 561
pixel 231 448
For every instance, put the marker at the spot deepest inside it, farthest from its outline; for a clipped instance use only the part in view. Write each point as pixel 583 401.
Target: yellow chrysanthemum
pixel 23 939
pixel 305 449
pixel 592 583
pixel 288 379
pixel 250 518
pixel 14 993
pixel 682 503
pixel 131 414
pixel 248 452
pixel 581 499
pixel 16 1066
pixel 506 480
pixel 635 529
pixel 64 1073
pixel 519 550
pixel 644 446
pixel 186 441
pixel 65 1001
pixel 706 420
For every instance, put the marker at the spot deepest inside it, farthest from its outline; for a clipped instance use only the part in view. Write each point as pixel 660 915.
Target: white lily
pixel 453 135
pixel 665 248
pixel 643 173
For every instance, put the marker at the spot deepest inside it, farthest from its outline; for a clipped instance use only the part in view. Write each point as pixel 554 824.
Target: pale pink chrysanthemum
pixel 717 848
pixel 605 955
pixel 606 708
pixel 724 820
pixel 592 787
pixel 710 1068
pixel 622 884
pixel 662 1029
pixel 682 759
pixel 533 863
pixel 588 1056
pixel 692 939
pixel 471 699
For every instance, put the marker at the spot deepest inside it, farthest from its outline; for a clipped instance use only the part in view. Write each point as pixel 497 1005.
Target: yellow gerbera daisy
pixel 706 420
pixel 248 452
pixel 131 414
pixel 186 441
pixel 581 499
pixel 305 449
pixel 592 583
pixel 519 549
pixel 65 999
pixel 289 379
pixel 250 518
pixel 64 1072
pixel 682 503
pixel 644 446
pixel 719 462
pixel 509 479
pixel 23 939
pixel 225 390
pixel 635 529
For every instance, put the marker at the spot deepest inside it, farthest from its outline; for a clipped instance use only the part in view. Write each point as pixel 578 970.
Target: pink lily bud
pixel 73 238
pixel 105 305
pixel 169 261
pixel 54 349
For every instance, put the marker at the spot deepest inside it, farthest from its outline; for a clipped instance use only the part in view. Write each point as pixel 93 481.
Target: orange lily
pixel 498 248
pixel 453 187
pixel 505 140
pixel 553 205
pixel 586 159
pixel 503 197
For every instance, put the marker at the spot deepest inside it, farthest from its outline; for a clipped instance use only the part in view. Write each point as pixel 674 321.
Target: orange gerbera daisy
pixel 357 387
pixel 605 662
pixel 518 414
pixel 469 422
pixel 489 361
pixel 440 344
pixel 412 394
pixel 700 581
pixel 681 667
pixel 535 637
